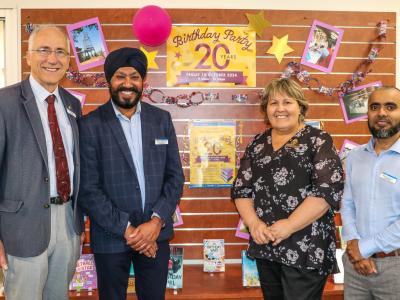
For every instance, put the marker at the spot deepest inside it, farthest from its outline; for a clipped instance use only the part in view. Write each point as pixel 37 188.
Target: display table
pixel 228 285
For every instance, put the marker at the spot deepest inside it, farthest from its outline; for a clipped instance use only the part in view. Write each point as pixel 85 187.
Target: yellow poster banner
pixel 212 154
pixel 211 56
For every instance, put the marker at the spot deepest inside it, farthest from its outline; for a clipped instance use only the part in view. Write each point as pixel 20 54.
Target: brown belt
pixel 383 254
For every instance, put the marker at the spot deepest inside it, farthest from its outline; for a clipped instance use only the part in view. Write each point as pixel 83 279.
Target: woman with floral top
pixel 289 183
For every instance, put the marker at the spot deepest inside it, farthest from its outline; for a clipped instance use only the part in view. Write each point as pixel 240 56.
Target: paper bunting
pixel 258 23
pixel 279 47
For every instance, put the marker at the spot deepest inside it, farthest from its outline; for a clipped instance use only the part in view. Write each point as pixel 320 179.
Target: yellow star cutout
pixel 279 47
pixel 151 56
pixel 258 23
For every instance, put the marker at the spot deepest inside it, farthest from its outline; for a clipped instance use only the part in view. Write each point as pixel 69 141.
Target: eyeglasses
pixel 45 52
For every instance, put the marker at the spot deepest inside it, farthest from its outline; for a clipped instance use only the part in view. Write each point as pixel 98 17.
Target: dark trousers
pixel 280 282
pixel 150 274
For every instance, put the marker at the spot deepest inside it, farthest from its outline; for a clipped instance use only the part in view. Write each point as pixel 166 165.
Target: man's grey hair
pixel 39 28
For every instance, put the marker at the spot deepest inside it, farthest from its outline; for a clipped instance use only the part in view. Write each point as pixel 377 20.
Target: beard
pixel 125 103
pixel 384 133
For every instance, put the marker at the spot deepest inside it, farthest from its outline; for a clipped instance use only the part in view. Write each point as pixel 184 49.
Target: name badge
pixel 161 141
pixel 71 112
pixel 387 177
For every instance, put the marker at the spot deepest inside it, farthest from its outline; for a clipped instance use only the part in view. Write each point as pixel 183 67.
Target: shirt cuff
pixel 350 233
pixel 129 223
pixel 367 247
pixel 156 215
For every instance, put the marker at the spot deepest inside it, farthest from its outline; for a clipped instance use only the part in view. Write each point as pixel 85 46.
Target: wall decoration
pixel 354 104
pixel 345 150
pixel 242 231
pixel 294 69
pixel 81 97
pixel 151 58
pixel 88 43
pixel 151 25
pixel 87 79
pixel 322 46
pixel 211 56
pixel 177 217
pixel 280 47
pixel 212 154
pixel 315 124
pixel 258 23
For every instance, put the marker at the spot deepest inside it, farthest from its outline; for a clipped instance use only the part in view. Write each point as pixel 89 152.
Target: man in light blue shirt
pixel 371 204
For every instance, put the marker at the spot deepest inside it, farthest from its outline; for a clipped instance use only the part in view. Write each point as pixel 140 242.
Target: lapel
pixel 72 120
pixel 32 112
pixel 146 137
pixel 112 121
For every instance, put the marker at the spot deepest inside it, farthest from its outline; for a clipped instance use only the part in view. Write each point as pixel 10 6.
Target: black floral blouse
pixel 279 181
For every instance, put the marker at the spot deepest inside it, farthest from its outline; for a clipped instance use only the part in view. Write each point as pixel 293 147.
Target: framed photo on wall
pixel 177 217
pixel 322 46
pixel 242 231
pixel 345 150
pixel 354 104
pixel 88 43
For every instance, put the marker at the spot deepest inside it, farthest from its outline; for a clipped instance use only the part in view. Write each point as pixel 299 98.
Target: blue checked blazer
pixel 110 193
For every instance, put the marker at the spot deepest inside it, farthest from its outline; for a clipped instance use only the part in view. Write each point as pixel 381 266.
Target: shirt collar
pixel 40 92
pixel 370 146
pixel 120 115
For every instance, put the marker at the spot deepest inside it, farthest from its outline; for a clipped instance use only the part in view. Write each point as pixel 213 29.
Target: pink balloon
pixel 151 25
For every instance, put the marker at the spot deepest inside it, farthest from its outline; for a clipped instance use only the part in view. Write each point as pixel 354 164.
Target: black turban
pixel 125 57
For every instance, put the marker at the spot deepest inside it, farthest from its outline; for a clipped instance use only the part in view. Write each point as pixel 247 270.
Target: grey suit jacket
pixel 24 176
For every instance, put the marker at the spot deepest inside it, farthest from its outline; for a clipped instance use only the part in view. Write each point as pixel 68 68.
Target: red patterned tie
pixel 62 173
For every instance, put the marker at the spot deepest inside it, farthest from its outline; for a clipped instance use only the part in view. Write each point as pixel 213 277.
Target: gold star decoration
pixel 280 47
pixel 258 23
pixel 151 56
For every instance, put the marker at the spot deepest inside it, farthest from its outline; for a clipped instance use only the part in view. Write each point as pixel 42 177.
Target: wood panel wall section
pixel 209 213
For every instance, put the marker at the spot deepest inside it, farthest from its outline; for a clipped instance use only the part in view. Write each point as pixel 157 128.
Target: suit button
pixel 46 205
pixel 137 187
pixel 46 179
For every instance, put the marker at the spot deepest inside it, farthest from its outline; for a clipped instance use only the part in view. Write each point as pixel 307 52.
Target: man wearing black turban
pixel 132 179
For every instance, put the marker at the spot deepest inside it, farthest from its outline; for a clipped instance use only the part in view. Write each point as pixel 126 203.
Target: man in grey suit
pixel 40 222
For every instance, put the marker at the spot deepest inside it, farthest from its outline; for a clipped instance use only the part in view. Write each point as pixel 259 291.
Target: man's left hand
pixel 365 267
pixel 146 234
pixel 281 230
pixel 151 229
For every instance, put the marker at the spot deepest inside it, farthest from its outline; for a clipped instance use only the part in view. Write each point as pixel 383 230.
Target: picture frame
pixel 81 97
pixel 347 146
pixel 242 231
pixel 322 46
pixel 88 43
pixel 354 104
pixel 177 217
pixel 314 123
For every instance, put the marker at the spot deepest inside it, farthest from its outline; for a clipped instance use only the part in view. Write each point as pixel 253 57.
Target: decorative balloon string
pixel 85 79
pixel 294 69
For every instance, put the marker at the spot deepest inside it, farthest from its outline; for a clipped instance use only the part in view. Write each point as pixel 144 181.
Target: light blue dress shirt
pixel 133 133
pixel 41 94
pixel 371 201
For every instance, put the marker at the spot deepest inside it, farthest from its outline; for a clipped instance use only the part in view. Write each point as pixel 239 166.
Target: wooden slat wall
pixel 209 213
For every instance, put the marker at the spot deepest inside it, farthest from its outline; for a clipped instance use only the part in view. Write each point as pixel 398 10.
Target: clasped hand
pixel 143 238
pixel 276 233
